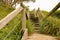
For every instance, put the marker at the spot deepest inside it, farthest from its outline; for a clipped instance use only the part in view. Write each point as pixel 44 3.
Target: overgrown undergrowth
pixel 14 26
pixel 30 27
pixel 50 26
pixel 5 9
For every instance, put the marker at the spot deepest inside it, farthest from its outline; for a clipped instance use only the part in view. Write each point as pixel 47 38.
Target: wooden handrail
pixel 52 11
pixel 13 30
pixel 9 17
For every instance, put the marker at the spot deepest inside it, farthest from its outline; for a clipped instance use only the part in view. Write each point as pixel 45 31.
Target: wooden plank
pixel 55 8
pixel 24 19
pixel 9 17
pixel 25 35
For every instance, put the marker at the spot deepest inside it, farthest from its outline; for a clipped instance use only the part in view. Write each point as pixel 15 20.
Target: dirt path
pixel 37 36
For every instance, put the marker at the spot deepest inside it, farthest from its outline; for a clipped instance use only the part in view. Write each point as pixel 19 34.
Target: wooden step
pixel 36 25
pixel 36 28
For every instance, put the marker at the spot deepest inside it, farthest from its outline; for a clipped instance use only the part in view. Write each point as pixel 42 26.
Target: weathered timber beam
pixel 52 11
pixel 9 17
pixel 24 19
pixel 25 35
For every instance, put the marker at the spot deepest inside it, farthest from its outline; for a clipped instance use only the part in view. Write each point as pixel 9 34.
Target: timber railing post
pixel 25 30
pixel 23 19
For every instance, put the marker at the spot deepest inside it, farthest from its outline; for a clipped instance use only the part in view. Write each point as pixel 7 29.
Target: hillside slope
pixel 4 10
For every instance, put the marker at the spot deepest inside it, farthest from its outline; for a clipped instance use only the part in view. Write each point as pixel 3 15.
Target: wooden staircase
pixel 35 21
pixel 36 28
pixel 36 24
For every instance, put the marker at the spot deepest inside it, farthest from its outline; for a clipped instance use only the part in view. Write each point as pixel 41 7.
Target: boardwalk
pixel 37 36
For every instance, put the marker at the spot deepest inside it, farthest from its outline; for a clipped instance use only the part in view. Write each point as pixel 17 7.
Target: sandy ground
pixel 37 36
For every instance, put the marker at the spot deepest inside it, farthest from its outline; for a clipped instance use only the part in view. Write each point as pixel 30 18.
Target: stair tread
pixel 36 27
pixel 36 30
pixel 37 23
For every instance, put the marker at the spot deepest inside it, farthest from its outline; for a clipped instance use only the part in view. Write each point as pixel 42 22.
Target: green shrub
pixel 45 12
pixel 15 34
pixel 29 27
pixel 50 26
pixel 5 10
pixel 56 14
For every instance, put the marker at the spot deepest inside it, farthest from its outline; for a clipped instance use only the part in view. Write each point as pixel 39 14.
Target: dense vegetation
pixel 51 25
pixel 30 27
pixel 56 14
pixel 5 9
pixel 45 12
pixel 12 29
